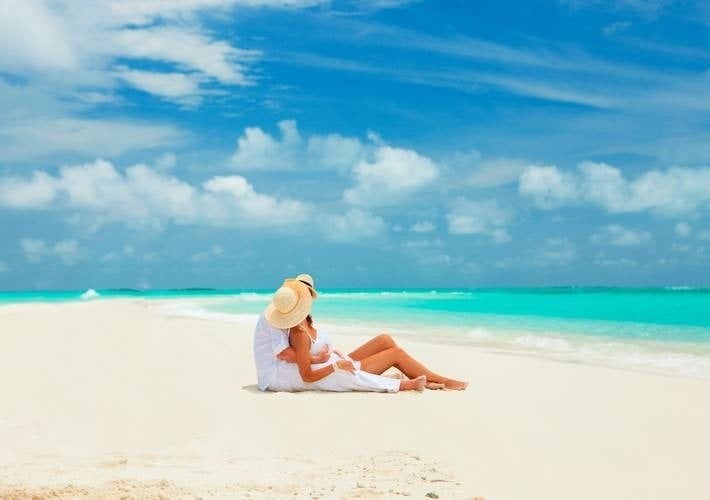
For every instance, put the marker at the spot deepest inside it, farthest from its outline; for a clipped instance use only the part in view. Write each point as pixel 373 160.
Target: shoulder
pixel 263 326
pixel 298 336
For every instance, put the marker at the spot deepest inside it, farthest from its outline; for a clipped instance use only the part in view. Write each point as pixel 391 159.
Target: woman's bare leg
pixel 378 344
pixel 398 357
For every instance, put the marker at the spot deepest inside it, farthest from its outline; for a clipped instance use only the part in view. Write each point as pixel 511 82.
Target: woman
pixel 339 373
pixel 360 371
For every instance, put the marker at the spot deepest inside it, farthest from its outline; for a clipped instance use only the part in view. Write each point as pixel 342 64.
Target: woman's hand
pixel 322 356
pixel 346 364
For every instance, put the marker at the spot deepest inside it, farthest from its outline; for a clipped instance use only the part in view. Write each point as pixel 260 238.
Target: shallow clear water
pixel 657 329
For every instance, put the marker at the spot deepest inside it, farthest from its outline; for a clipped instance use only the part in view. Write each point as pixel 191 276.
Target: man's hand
pixel 322 356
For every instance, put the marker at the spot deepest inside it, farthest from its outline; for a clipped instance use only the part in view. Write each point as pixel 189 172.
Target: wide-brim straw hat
pixel 307 279
pixel 290 305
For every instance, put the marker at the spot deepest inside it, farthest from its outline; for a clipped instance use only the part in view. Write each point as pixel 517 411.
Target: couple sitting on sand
pixel 292 355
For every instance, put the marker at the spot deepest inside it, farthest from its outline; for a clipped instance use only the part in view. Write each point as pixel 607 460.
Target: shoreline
pixel 577 348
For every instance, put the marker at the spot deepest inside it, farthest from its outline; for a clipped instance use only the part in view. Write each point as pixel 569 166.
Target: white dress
pixel 289 379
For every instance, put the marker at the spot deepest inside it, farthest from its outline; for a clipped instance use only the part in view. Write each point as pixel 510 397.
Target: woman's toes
pixel 456 385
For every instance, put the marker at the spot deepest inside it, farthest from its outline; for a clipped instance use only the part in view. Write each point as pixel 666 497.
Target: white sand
pixel 110 399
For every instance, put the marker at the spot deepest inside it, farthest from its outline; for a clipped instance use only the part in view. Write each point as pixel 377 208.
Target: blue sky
pixel 229 143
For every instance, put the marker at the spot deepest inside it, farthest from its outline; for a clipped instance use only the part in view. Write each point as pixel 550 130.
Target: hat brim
pixel 293 317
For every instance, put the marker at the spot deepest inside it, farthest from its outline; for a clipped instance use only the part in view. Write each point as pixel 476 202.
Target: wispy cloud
pixel 103 44
pixel 486 217
pixel 620 236
pixel 462 80
pixel 29 139
pixel 646 8
pixel 36 250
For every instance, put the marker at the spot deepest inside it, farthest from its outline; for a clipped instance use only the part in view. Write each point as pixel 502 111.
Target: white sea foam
pixel 90 294
pixel 252 297
pixel 478 333
pixel 543 342
pixel 187 309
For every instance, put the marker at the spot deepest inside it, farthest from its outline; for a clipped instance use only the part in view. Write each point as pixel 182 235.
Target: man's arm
pixel 289 355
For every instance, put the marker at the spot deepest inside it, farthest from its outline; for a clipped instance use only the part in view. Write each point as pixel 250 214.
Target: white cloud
pixel 673 192
pixel 353 225
pixel 484 172
pixel 145 11
pixel 127 251
pixel 68 251
pixel 165 162
pixel 622 263
pixel 649 8
pixel 65 57
pixel 3 267
pixel 382 4
pixel 683 229
pixel 111 257
pixel 34 39
pixel 704 234
pixel 259 150
pixel 179 87
pixel 189 49
pixel 215 251
pixel 616 27
pixel 232 201
pixel 80 43
pixel 422 227
pixel 480 217
pixel 152 257
pixel 558 250
pixel 435 259
pixel 553 252
pixel 547 186
pixel 424 243
pixel 38 192
pixel 97 193
pixel 392 175
pixel 334 151
pixel 496 172
pixel 383 174
pixel 621 236
pixel 36 250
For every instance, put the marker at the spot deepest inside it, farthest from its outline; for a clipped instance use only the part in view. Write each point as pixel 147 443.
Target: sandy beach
pixel 113 399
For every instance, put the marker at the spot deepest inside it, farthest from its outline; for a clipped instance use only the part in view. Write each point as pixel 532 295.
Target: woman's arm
pixel 289 355
pixel 302 345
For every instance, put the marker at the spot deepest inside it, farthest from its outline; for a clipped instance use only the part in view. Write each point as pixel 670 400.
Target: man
pixel 275 359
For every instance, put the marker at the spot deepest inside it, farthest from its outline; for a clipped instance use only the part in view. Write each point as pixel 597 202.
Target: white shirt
pixel 269 342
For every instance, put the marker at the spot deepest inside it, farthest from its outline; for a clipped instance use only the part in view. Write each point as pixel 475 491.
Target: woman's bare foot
pixel 456 385
pixel 415 384
pixel 434 386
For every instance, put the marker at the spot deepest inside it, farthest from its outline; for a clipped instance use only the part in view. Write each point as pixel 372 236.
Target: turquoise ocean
pixel 661 330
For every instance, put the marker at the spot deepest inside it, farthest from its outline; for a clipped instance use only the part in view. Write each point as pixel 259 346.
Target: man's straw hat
pixel 290 305
pixel 307 279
